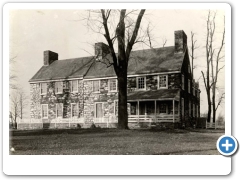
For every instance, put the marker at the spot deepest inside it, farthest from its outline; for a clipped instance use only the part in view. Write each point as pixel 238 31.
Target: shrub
pixel 78 126
pixel 93 126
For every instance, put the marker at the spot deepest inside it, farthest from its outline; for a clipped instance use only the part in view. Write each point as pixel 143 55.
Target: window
pixel 189 70
pixel 59 110
pixel 189 86
pixel 99 110
pixel 74 110
pixel 43 88
pixel 162 108
pixel 96 86
pixel 58 87
pixel 193 91
pixel 197 110
pixel 74 86
pixel 182 106
pixel 116 107
pixel 163 81
pixel 193 110
pixel 189 108
pixel 182 81
pixel 44 111
pixel 112 85
pixel 141 83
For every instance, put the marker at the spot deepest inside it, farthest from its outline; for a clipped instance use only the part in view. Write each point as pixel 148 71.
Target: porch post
pixel 173 111
pixel 155 111
pixel 138 110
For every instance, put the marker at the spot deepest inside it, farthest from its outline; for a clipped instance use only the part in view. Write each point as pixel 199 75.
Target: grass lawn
pixel 113 141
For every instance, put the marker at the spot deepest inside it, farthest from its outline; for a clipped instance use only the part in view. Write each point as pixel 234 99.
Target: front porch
pixel 156 111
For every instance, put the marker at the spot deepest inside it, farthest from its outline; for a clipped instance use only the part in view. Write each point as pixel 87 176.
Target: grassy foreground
pixel 114 142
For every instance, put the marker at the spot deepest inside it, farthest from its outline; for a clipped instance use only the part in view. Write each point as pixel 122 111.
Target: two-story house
pixel 161 88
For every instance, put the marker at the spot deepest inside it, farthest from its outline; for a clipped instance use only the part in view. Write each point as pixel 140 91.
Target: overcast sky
pixel 34 31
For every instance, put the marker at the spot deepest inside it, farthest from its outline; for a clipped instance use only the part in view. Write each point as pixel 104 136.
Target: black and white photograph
pixel 116 81
pixel 96 85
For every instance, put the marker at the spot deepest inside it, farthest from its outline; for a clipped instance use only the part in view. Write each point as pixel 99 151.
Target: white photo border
pixel 110 164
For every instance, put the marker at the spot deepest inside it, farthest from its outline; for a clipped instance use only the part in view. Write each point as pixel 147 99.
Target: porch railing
pixel 153 118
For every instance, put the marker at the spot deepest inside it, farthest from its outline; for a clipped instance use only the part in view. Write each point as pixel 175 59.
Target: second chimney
pixel 49 57
pixel 101 50
pixel 180 41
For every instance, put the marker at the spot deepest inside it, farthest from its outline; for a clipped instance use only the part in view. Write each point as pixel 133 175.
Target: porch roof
pixel 160 94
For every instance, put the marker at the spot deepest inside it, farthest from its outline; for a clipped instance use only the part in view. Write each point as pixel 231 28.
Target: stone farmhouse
pixel 82 91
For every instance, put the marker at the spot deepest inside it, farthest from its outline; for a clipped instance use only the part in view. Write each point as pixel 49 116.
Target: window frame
pixel 98 85
pixel 72 110
pixel 95 109
pixel 109 85
pixel 71 86
pixel 144 77
pixel 183 82
pixel 189 108
pixel 183 108
pixel 61 84
pixel 193 110
pixel 57 110
pixel 42 88
pixel 159 82
pixel 189 86
pixel 42 111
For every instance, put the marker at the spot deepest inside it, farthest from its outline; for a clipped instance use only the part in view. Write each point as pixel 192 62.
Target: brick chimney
pixel 49 57
pixel 180 41
pixel 101 50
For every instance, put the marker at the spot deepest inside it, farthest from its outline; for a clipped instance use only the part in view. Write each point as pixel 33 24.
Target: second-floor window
pixel 189 86
pixel 113 85
pixel 96 86
pixel 43 87
pixel 163 81
pixel 59 110
pixel 74 86
pixel 182 81
pixel 58 87
pixel 141 82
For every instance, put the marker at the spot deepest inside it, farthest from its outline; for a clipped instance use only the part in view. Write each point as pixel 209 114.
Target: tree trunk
pixel 122 101
pixel 213 103
pixel 209 106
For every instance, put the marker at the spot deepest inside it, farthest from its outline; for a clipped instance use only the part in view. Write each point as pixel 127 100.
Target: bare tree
pixel 18 104
pixel 125 33
pixel 12 76
pixel 213 58
pixel 192 52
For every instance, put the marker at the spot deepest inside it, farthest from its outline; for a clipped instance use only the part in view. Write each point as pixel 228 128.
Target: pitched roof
pixel 159 94
pixel 140 62
pixel 63 69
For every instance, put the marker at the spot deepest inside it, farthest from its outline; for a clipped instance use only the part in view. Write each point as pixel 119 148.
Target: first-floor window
pixel 141 82
pixel 74 110
pixel 44 111
pixel 162 81
pixel 59 110
pixel 162 108
pixel 193 110
pixel 99 110
pixel 189 108
pixel 182 106
pixel 197 110
pixel 189 86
